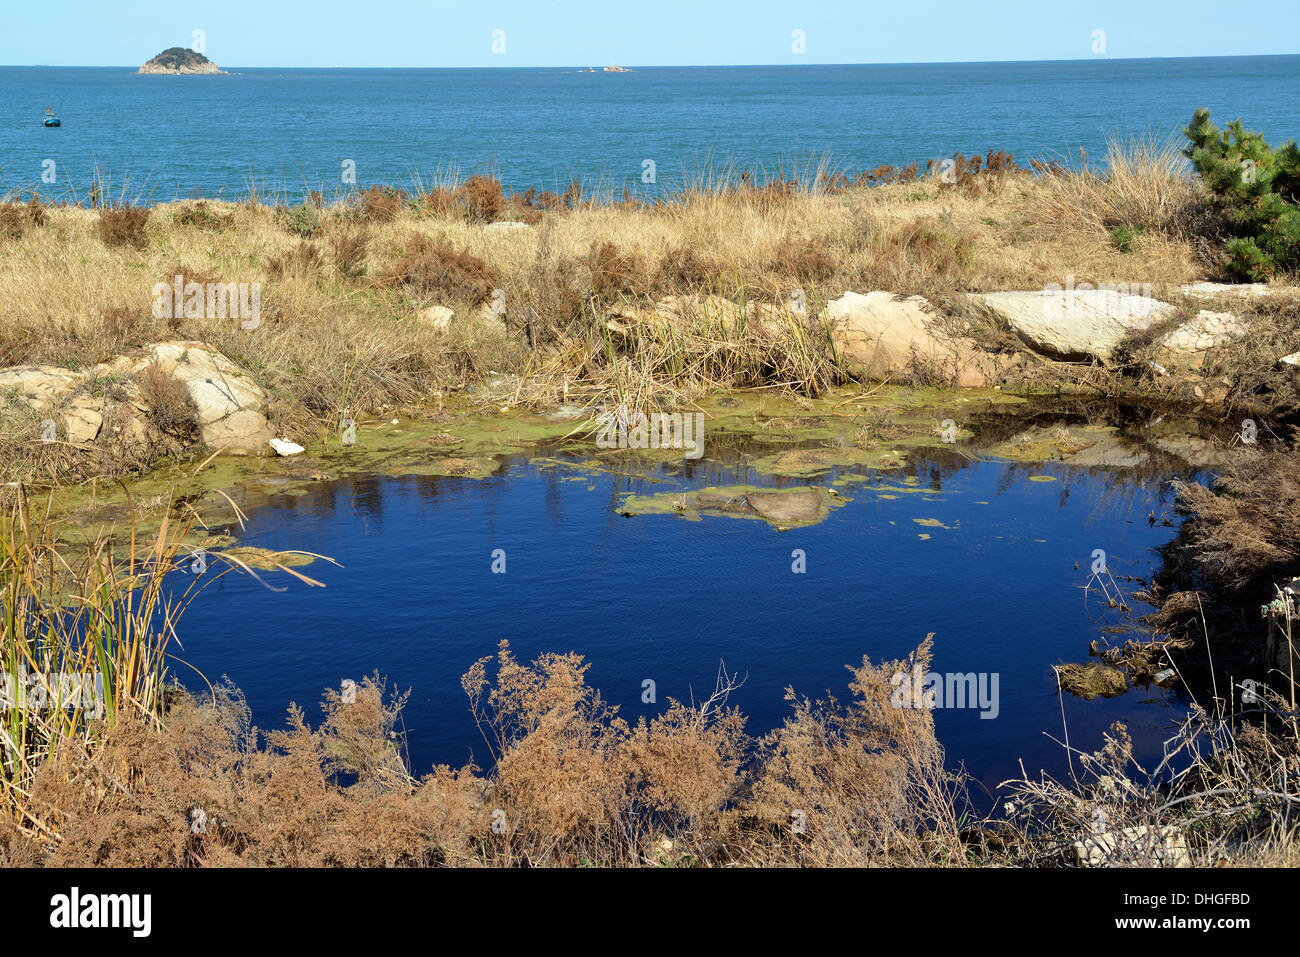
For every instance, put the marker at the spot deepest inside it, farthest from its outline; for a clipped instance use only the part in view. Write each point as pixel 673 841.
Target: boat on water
pixel 51 119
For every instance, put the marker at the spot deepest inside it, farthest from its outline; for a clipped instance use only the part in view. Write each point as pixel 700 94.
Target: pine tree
pixel 1258 185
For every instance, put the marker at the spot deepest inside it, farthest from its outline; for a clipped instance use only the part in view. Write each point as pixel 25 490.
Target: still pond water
pixel 991 555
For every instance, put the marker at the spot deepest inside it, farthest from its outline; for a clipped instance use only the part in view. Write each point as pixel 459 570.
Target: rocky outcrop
pixel 1187 346
pixel 229 408
pixel 180 60
pixel 1076 323
pixel 38 386
pixel 883 336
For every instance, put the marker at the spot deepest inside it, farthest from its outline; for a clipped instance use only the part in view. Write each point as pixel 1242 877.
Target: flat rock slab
pixel 1076 323
pixel 888 337
pixel 1245 290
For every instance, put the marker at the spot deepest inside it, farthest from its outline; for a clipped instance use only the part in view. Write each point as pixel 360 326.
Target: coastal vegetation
pixel 386 300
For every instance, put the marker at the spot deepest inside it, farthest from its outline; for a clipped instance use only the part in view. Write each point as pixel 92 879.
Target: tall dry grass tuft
pixel 90 623
pixel 1145 185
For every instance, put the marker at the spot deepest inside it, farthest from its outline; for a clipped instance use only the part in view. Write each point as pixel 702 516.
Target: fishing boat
pixel 51 119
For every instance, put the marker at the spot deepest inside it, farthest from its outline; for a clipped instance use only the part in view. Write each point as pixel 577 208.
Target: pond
pixel 558 551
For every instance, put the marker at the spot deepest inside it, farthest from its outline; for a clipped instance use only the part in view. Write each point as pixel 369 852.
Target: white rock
pixel 285 447
pixel 38 386
pixel 83 419
pixel 1134 846
pixel 1187 345
pixel 1213 289
pixel 1075 323
pixel 886 336
pixel 439 317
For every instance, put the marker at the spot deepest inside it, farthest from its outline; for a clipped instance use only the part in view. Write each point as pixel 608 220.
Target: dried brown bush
pixel 430 267
pixel 805 261
pixel 617 273
pixel 350 248
pixel 865 780
pixel 301 260
pixel 123 226
pixel 480 199
pixel 685 269
pixel 171 408
pixel 202 216
pixel 17 218
pixel 380 204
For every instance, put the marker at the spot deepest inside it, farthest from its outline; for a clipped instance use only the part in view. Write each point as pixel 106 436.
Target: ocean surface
pixel 283 131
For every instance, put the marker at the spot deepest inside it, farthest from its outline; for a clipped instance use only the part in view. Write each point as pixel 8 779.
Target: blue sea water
pixel 287 130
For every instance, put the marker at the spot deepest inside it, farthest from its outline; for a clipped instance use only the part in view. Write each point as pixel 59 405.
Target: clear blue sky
pixel 431 33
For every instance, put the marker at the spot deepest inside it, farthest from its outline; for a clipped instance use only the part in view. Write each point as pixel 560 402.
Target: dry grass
pixel 570 783
pixel 342 284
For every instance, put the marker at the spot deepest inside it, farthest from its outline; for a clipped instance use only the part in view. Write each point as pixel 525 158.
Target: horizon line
pixel 667 66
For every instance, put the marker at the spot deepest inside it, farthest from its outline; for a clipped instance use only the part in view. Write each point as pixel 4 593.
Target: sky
pixel 431 33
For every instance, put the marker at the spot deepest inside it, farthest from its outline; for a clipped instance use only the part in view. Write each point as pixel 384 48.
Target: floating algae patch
pixel 931 523
pixel 781 508
pixel 265 559
pixel 801 463
pixel 1081 444
pixel 1093 680
pixel 477 467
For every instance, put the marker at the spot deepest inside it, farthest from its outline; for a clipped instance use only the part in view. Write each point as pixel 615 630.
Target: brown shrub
pixel 171 409
pixel 481 200
pixel 923 251
pixel 617 273
pixel 350 248
pixel 303 259
pixel 201 216
pixel 571 782
pixel 123 226
pixel 434 267
pixel 684 269
pixel 16 219
pixel 380 204
pixel 804 260
pixel 865 782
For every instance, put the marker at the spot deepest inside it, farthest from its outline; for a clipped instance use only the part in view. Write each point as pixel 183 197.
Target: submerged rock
pixel 781 508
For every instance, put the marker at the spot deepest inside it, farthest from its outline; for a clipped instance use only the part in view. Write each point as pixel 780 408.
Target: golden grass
pixel 342 333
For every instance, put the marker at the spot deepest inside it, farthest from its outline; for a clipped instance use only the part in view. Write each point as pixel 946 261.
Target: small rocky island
pixel 178 60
